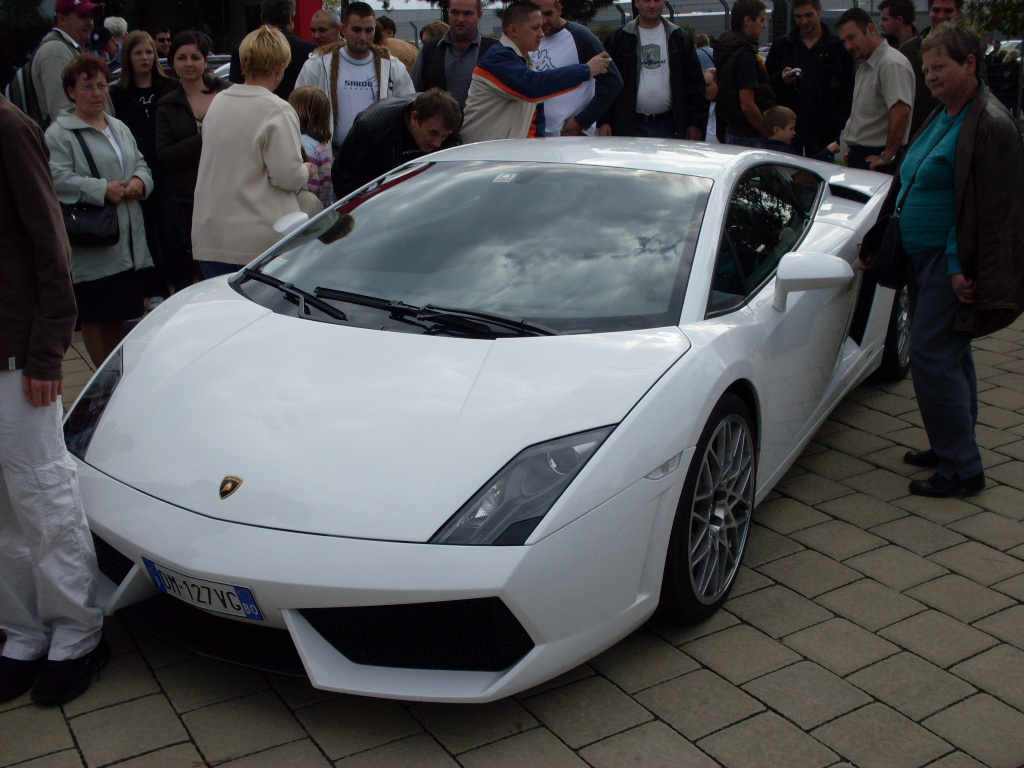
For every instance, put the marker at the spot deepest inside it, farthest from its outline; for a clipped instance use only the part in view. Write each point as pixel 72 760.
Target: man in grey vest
pixel 69 37
pixel 447 62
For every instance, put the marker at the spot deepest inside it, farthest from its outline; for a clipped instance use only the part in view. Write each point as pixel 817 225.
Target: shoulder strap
pixel 88 155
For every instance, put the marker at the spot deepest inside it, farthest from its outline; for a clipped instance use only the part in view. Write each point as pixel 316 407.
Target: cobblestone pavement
pixel 868 628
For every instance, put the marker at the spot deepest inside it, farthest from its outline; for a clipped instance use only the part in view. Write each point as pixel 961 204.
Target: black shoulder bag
pixel 89 225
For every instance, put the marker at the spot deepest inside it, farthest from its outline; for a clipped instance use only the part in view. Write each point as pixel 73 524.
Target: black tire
pixel 713 517
pixel 896 355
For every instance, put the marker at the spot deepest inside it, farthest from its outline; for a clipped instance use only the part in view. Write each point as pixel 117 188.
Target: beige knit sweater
pixel 250 169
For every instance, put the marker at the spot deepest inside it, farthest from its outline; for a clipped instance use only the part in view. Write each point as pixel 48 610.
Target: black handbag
pixel 90 225
pixel 882 250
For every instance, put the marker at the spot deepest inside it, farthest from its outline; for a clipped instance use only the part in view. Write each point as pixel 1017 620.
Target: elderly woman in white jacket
pixel 107 289
pixel 252 163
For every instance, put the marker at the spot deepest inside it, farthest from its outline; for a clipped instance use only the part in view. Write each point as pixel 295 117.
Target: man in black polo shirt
pixel 447 62
pixel 744 91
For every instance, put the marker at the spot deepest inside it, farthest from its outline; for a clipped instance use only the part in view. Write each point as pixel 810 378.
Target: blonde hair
pixel 433 29
pixel 314 111
pixel 262 51
pixel 134 40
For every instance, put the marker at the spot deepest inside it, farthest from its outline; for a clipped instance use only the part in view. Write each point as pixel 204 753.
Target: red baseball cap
pixel 64 7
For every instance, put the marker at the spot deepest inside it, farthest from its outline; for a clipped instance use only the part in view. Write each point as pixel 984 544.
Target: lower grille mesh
pixel 113 564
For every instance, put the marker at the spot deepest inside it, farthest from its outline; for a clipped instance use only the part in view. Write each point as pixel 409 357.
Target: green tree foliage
pixel 1006 16
pixel 582 11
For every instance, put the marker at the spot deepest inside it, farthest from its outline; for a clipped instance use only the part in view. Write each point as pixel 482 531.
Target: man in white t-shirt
pixel 354 73
pixel 663 82
pixel 565 42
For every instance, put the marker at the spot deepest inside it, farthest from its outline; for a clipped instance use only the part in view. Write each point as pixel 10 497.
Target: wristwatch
pixel 887 159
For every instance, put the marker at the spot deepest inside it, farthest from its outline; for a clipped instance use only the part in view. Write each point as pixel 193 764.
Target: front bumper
pixel 574 593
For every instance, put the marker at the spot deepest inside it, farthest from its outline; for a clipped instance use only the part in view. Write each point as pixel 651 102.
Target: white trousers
pixel 47 560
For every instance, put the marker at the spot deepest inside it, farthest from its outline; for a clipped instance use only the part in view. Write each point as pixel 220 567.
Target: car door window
pixel 768 213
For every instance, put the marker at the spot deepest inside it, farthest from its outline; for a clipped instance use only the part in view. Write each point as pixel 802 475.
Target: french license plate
pixel 211 595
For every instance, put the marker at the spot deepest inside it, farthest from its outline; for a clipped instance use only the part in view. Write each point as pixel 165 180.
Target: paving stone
pixel 1007 625
pixel 985 729
pixel 911 437
pixel 809 573
pixel 870 604
pixel 960 597
pixel 939 638
pixel 740 653
pixel 574 674
pixel 1000 418
pixel 871 421
pixel 1002 398
pixel 862 510
pixel 298 692
pixel 31 731
pixel 178 756
pixel 878 737
pixel 838 540
pixel 419 751
pixel 1013 587
pixel 811 488
pixel 891 458
pixel 880 483
pixel 642 660
pixel 890 403
pixel 748 580
pixel 652 745
pixel 764 545
pixel 677 633
pixel 242 726
pixel 158 652
pixel 999 671
pixel 200 682
pixel 1010 473
pixel 766 741
pixel 840 645
pixel 126 677
pixel 896 567
pixel 350 724
pixel 979 562
pixel 699 703
pixel 911 685
pixel 586 711
pixel 989 437
pixel 536 747
pixel 918 535
pixel 834 465
pixel 1014 450
pixel 103 737
pixel 784 515
pixel 956 760
pixel 297 754
pixel 1018 552
pixel 461 727
pixel 778 611
pixel 67 759
pixel 940 511
pixel 807 694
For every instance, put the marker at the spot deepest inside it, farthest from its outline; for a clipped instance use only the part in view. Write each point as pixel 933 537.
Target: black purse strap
pixel 905 192
pixel 88 155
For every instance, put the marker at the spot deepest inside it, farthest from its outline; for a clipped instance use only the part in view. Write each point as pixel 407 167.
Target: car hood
pixel 349 431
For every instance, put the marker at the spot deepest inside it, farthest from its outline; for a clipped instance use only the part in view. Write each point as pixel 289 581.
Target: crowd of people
pixel 192 172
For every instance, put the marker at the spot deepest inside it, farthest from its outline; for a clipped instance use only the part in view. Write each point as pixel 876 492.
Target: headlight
pixel 81 422
pixel 509 506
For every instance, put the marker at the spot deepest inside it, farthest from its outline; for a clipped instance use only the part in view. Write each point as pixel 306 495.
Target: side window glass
pixel 768 213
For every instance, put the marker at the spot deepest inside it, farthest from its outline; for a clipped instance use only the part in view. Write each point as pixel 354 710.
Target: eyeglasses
pixel 163 39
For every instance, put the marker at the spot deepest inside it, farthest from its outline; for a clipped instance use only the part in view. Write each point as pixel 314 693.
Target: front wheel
pixel 713 516
pixel 896 354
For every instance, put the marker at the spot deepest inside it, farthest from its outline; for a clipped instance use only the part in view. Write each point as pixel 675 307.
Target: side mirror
pixel 290 222
pixel 808 272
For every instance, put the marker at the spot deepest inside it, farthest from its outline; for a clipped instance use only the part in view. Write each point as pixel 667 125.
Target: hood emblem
pixel 229 485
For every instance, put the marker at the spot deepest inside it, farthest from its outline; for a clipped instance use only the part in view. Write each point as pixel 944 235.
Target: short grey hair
pixel 959 42
pixel 332 16
pixel 117 26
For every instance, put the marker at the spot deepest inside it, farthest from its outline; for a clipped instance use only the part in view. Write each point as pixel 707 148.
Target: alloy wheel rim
pixel 903 327
pixel 722 504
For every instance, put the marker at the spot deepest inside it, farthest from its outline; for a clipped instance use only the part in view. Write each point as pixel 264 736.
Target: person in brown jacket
pixel 54 641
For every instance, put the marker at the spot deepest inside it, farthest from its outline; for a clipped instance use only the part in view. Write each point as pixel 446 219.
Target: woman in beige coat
pixel 252 164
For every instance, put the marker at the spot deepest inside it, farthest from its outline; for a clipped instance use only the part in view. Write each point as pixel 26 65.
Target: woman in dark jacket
pixel 179 117
pixel 963 235
pixel 142 84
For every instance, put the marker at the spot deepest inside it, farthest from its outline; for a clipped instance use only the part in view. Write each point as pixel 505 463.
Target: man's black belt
pixel 645 118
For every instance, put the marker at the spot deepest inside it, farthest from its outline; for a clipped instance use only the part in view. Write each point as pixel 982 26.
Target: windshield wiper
pixel 399 308
pixel 302 297
pixel 477 320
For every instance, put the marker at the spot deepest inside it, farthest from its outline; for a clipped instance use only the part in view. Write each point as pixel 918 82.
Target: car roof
pixel 692 158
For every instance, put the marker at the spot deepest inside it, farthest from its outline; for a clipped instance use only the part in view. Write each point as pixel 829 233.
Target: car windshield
pixel 575 249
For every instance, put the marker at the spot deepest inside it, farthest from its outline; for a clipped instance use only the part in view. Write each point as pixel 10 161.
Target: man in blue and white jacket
pixel 507 87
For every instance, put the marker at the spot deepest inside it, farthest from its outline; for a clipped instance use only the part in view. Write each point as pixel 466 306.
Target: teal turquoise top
pixel 928 220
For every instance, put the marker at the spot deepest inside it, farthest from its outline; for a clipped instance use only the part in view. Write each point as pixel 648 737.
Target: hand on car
pixel 571 128
pixel 604 130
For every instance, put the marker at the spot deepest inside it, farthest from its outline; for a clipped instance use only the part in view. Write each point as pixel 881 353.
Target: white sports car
pixel 475 423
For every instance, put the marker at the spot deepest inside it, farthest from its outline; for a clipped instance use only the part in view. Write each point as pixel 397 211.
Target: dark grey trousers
pixel 942 367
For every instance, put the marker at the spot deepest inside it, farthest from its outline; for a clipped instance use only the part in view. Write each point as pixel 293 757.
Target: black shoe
pixel 61 681
pixel 921 458
pixel 941 487
pixel 17 676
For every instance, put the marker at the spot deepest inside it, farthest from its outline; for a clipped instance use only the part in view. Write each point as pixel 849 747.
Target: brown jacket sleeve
pixel 37 304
